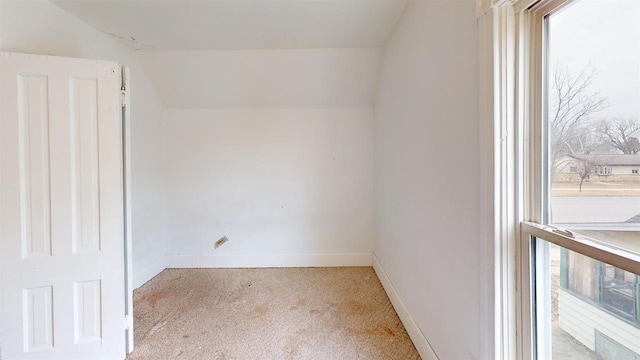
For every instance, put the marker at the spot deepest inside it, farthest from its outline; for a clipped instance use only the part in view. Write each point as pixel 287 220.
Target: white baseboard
pixel 268 260
pixel 146 274
pixel 419 340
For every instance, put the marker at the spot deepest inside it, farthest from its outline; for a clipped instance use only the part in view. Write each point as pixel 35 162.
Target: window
pixel 534 53
pixel 582 307
pixel 600 284
pixel 603 170
pixel 577 110
pixel 591 100
pixel 589 108
pixel 619 291
pixel 634 171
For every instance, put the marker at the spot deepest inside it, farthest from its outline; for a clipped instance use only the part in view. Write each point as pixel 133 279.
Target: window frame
pixel 531 34
pixel 529 175
pixel 511 160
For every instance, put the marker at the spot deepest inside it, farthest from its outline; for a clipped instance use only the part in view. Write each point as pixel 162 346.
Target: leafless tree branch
pixel 570 109
pixel 622 134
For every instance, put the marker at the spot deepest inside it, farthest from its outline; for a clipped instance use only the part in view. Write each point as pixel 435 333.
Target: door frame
pixel 128 228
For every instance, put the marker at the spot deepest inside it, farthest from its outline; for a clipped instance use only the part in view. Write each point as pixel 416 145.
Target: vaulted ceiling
pixel 240 24
pixel 251 54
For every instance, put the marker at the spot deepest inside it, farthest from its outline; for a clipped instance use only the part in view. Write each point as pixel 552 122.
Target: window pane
pixel 593 112
pixel 591 309
pixel 581 276
pixel 618 291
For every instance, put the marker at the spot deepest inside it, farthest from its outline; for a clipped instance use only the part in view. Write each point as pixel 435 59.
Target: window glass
pixel 593 112
pixel 619 291
pixel 587 309
pixel 581 275
pixel 594 308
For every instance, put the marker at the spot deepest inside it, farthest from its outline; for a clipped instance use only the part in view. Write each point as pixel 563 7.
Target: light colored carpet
pixel 286 313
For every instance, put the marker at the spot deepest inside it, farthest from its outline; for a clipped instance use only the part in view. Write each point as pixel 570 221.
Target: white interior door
pixel 61 209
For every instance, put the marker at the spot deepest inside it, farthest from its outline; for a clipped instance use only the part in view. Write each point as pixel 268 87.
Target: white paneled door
pixel 61 209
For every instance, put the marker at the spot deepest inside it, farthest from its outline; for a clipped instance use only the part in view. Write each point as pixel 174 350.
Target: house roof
pixel 613 159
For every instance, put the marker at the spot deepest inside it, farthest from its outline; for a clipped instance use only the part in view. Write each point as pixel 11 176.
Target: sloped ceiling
pixel 251 54
pixel 239 24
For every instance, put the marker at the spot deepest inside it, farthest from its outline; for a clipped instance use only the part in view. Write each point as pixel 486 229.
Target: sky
pixel 605 33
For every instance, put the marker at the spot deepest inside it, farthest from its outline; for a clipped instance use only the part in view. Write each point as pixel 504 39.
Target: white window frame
pixel 511 69
pixel 531 75
pixel 508 67
pixel 530 143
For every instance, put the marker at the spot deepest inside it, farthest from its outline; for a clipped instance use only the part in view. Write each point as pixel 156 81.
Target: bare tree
pixel 571 104
pixel 622 134
pixel 579 156
pixel 584 167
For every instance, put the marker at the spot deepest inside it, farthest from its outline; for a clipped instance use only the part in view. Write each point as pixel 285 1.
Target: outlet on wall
pixel 220 242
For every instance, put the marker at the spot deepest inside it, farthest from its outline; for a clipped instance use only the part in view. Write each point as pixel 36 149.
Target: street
pixel 594 209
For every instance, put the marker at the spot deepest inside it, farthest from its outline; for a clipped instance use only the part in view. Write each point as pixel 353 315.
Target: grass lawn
pixel 596 188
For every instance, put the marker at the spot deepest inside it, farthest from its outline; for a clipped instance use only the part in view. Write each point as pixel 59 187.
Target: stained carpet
pixel 284 313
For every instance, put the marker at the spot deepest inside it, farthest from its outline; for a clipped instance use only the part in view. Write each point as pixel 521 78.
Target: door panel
pixel 33 138
pixel 88 309
pixel 61 209
pixel 38 318
pixel 84 168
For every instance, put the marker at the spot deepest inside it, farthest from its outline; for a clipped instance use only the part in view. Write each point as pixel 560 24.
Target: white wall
pixel 303 78
pixel 301 181
pixel 271 148
pixel 40 27
pixel 274 181
pixel 427 174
